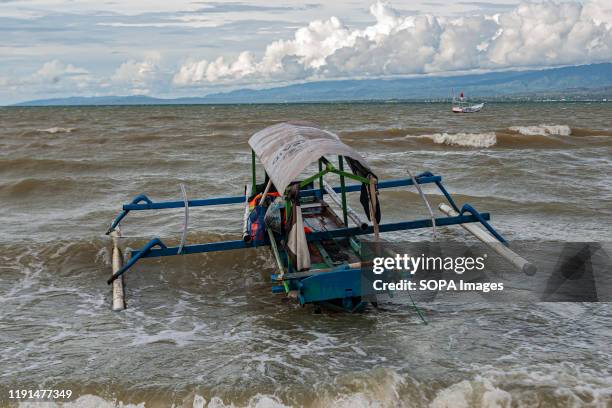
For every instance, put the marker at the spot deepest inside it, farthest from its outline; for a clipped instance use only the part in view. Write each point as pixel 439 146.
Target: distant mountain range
pixel 578 82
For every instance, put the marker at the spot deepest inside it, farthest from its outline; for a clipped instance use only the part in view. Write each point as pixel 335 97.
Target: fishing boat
pixel 460 107
pixel 313 234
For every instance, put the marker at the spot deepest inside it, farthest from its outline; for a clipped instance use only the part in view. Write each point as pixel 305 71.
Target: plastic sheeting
pixel 286 149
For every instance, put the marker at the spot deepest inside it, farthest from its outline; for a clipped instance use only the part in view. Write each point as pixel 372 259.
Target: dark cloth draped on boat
pixel 364 198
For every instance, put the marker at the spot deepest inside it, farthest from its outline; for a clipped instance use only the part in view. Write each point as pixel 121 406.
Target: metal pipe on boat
pixel 354 265
pixel 431 214
pixel 515 259
pixel 310 272
pixel 246 237
pixel 185 219
pixel 117 261
pixel 350 212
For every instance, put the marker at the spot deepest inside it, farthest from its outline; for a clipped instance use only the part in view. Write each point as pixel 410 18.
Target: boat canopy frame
pixel 287 149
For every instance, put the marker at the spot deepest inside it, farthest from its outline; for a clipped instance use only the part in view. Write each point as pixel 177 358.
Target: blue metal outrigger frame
pixel 311 288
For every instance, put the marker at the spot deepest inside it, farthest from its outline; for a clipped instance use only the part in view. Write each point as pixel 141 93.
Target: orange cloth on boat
pixel 256 199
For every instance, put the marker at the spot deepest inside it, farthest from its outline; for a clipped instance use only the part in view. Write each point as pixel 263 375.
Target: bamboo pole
pixel 117 261
pixel 515 259
pixel 266 191
pixel 246 237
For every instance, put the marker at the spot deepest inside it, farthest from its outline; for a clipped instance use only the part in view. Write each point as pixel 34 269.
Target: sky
pixel 59 48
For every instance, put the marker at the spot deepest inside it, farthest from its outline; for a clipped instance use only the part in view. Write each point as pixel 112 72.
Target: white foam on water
pixel 56 129
pixel 84 401
pixel 574 383
pixel 178 337
pixel 199 401
pixel 489 387
pixel 542 130
pixel 378 389
pixel 94 401
pixel 477 393
pixel 318 342
pixel 481 140
pixel 257 401
pixel 30 266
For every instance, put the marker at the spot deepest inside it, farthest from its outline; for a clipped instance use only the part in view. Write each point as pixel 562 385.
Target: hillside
pixel 578 82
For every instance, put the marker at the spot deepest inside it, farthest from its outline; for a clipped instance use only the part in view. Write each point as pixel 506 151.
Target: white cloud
pixel 139 76
pixel 57 77
pixel 530 35
pixel 53 72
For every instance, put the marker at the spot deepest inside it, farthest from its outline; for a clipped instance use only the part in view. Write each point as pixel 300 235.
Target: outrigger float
pixel 317 248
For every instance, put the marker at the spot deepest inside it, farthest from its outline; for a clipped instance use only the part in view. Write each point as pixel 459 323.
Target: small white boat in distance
pixel 461 108
pixel 468 109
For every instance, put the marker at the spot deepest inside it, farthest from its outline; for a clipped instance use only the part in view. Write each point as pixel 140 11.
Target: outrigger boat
pixel 462 108
pixel 317 250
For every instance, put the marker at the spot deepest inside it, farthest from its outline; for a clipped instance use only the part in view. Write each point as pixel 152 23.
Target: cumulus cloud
pixel 53 72
pixel 57 77
pixel 529 35
pixel 138 76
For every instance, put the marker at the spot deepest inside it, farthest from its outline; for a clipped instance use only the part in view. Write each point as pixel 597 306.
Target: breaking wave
pixel 542 136
pixel 483 140
pixel 542 130
pixel 532 136
pixel 56 129
pixel 563 384
pixel 85 401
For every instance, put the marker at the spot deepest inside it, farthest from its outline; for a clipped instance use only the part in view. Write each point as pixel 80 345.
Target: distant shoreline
pixel 339 102
pixel 578 83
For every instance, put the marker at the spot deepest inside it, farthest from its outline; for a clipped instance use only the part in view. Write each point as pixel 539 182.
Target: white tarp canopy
pixel 286 149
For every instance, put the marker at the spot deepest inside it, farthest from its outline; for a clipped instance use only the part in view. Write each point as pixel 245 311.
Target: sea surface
pixel 204 330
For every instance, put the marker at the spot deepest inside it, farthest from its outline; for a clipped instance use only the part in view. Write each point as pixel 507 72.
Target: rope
pixel 431 214
pixel 417 309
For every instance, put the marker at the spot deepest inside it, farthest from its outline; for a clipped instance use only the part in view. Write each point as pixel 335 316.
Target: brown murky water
pixel 206 327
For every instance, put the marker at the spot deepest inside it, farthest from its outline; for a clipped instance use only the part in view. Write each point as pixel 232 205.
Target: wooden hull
pixel 334 279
